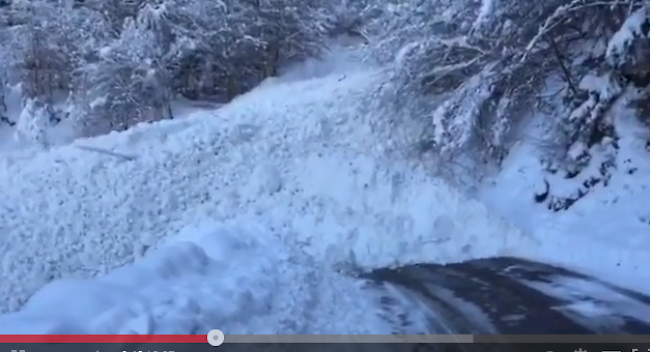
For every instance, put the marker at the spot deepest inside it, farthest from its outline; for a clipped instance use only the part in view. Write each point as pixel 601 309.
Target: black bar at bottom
pixel 329 347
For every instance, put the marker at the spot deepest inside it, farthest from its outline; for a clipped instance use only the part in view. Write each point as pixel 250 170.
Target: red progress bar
pixel 104 339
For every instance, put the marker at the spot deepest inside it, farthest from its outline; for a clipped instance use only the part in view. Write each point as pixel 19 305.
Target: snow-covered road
pixel 298 162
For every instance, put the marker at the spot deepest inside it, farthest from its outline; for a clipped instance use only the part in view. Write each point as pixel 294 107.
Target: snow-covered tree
pixel 474 69
pixel 55 42
pixel 129 82
pixel 225 48
pixel 123 61
pixel 32 124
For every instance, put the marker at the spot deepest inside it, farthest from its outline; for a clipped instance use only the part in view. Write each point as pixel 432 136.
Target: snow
pixel 241 217
pixel 631 29
pixel 32 127
pixel 340 58
pixel 604 307
pixel 309 171
pixel 605 233
pixel 485 14
pixel 213 276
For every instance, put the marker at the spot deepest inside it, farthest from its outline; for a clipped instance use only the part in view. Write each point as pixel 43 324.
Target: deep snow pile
pixel 301 158
pixel 227 276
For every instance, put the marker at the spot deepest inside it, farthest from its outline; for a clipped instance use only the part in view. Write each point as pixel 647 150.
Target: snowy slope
pixel 299 160
pixel 607 231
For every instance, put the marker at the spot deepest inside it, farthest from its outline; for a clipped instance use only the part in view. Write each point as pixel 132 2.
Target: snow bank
pixel 300 158
pixel 606 233
pixel 225 277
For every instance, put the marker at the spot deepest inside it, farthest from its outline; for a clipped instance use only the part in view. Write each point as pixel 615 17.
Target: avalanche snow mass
pixel 234 219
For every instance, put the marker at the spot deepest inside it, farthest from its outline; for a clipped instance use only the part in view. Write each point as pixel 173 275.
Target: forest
pixel 467 72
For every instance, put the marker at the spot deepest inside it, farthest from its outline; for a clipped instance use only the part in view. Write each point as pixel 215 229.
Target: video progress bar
pixel 437 339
